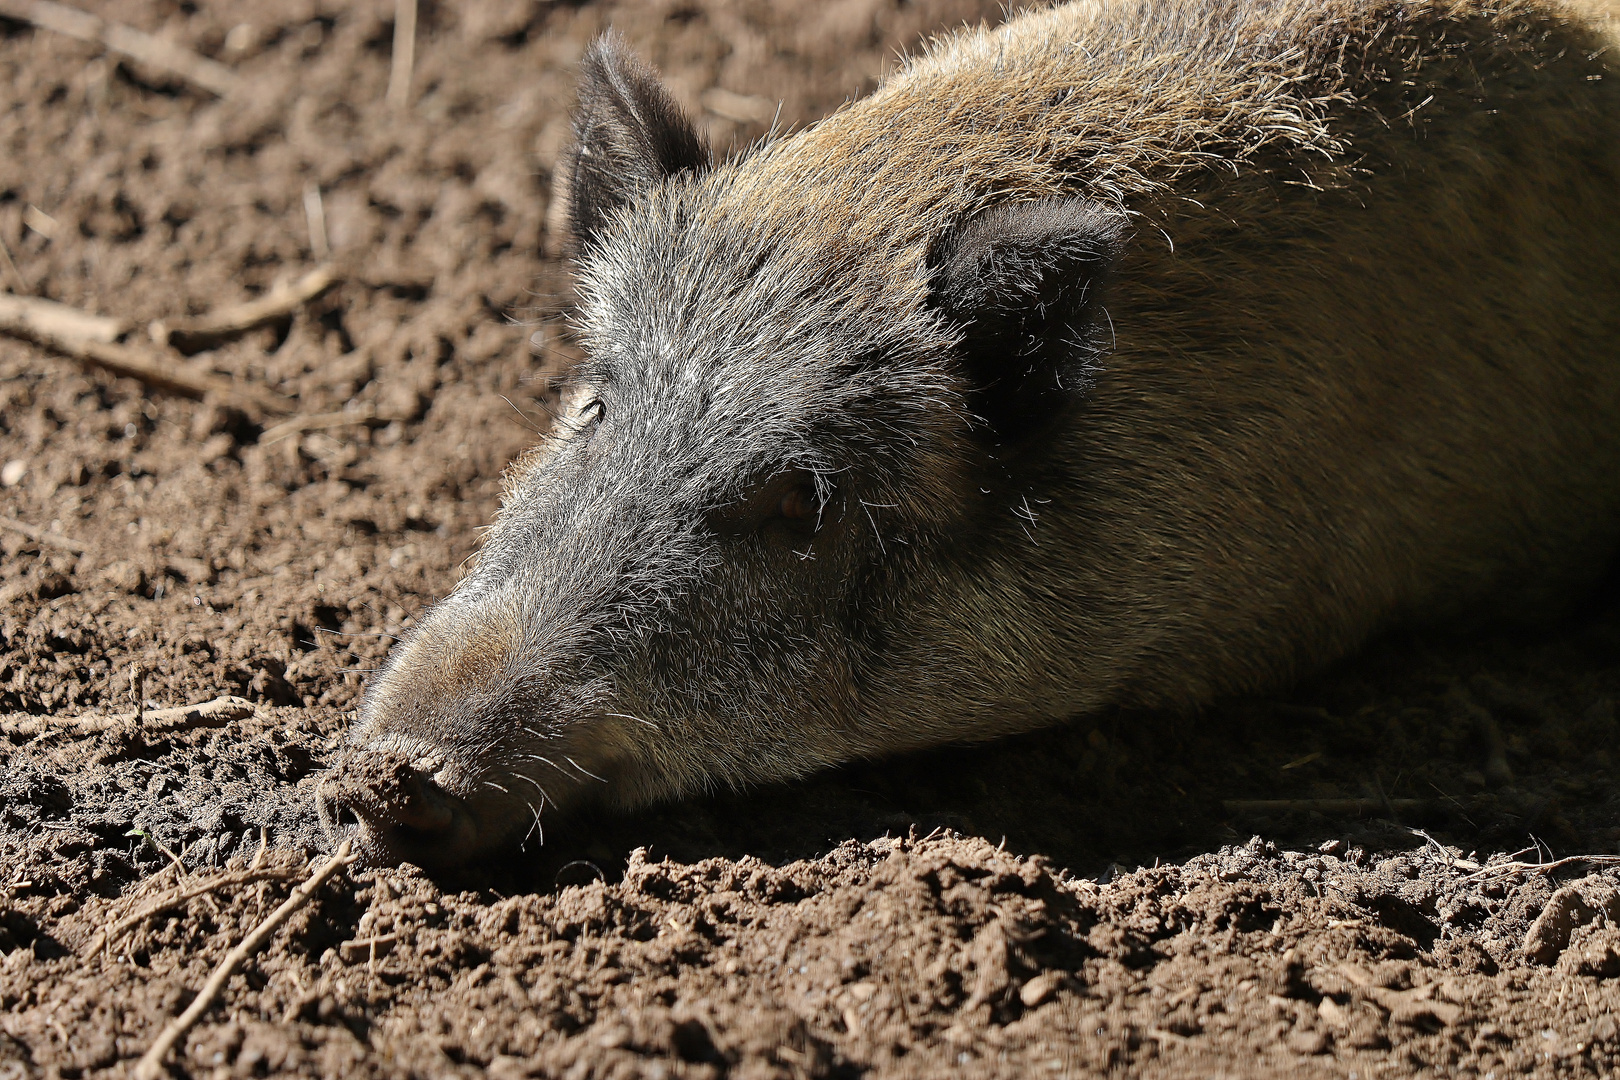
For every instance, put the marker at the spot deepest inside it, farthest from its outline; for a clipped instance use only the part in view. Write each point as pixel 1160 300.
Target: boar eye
pixel 589 417
pixel 799 504
pixel 787 499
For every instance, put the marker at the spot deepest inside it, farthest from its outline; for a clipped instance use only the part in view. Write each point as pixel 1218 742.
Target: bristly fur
pixel 1131 354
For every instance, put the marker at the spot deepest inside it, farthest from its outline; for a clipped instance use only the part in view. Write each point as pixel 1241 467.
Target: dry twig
pixel 31 317
pixel 150 884
pixel 161 373
pixel 112 933
pixel 176 861
pixel 226 322
pixel 315 217
pixel 152 51
pixel 216 713
pixel 1500 869
pixel 41 222
pixel 150 1067
pixel 404 57
pixel 353 950
pixel 297 425
pixel 1453 862
pixel 42 536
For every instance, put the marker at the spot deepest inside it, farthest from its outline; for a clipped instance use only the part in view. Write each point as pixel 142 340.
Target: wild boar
pixel 1133 353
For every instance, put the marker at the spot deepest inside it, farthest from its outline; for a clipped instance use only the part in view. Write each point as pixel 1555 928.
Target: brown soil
pixel 885 919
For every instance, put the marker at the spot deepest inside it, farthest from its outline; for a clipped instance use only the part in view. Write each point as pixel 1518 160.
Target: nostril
pixel 339 817
pixel 345 818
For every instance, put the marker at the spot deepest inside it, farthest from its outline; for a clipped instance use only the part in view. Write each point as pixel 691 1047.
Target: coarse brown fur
pixel 1357 338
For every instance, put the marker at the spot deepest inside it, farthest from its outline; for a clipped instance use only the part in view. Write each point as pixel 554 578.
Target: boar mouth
pixel 394 811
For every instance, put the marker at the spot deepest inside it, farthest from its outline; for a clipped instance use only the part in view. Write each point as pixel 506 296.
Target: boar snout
pixel 395 812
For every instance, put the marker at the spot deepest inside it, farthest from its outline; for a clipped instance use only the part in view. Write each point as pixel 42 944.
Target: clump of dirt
pixel 886 918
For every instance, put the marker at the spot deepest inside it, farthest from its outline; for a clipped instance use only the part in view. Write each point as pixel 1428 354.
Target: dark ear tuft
pixel 1025 280
pixel 629 134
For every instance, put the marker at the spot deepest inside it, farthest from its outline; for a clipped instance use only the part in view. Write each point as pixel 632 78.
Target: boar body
pixel 1131 354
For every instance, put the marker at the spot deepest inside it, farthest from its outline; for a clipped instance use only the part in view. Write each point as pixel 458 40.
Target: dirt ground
pixel 1072 903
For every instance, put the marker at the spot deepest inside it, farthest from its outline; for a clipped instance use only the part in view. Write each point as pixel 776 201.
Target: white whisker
pixel 637 719
pixel 584 770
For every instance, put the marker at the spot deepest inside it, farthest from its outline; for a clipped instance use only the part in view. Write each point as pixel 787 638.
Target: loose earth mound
pixel 1428 892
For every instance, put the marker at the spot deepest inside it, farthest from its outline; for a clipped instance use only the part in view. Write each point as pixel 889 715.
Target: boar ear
pixel 629 134
pixel 1025 282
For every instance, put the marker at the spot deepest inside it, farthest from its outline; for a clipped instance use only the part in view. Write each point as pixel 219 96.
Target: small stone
pixel 1308 1042
pixel 1333 1013
pixel 13 471
pixel 1421 1013
pixel 1040 988
pixel 241 40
